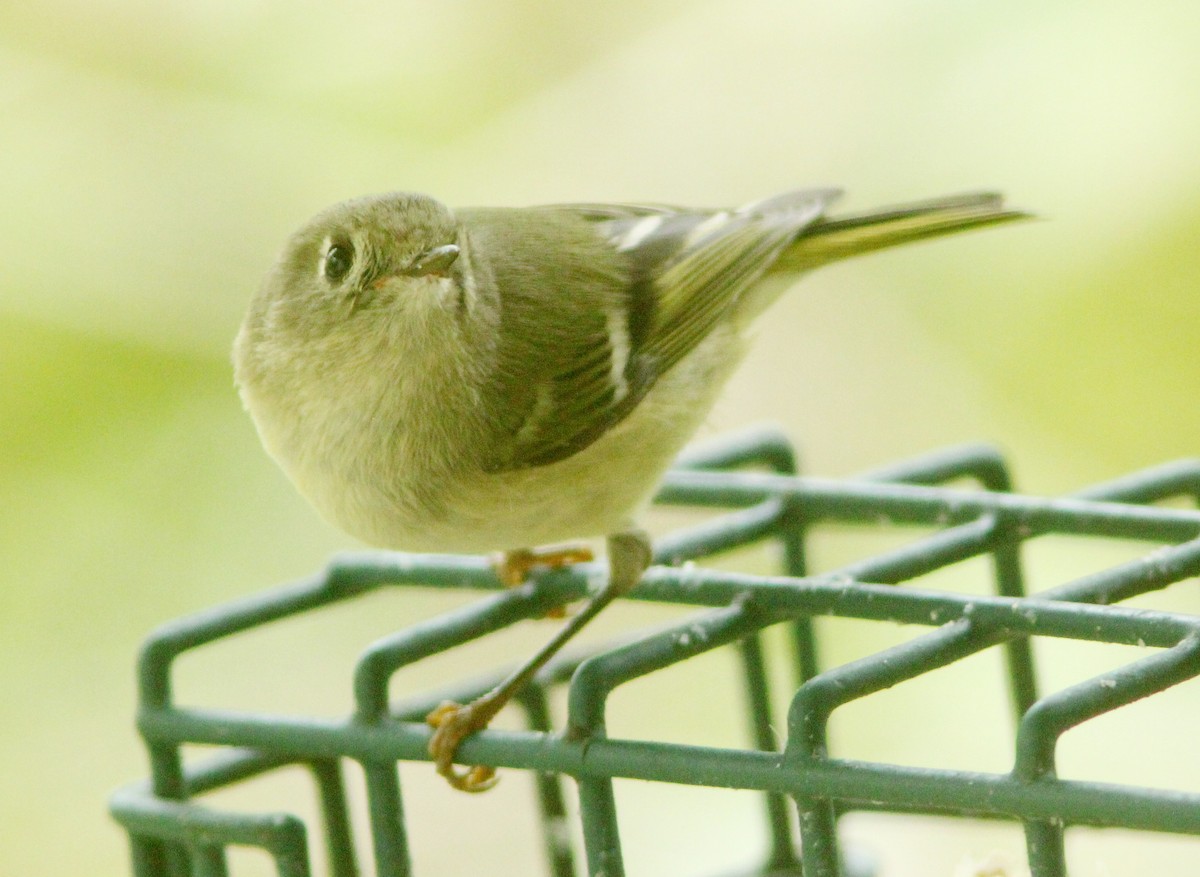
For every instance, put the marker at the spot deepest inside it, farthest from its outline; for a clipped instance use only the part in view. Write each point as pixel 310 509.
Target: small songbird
pixel 502 379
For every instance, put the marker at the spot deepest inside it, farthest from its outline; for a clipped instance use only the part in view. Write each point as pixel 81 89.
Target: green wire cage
pixel 751 487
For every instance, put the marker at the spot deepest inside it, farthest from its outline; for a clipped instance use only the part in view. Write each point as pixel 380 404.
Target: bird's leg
pixel 628 556
pixel 513 567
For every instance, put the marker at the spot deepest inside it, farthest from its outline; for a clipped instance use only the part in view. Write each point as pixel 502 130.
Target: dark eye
pixel 338 262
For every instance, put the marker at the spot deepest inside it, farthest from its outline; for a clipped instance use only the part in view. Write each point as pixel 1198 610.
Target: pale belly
pixel 596 492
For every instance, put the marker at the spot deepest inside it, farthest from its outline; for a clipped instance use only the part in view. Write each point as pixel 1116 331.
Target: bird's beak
pixel 434 262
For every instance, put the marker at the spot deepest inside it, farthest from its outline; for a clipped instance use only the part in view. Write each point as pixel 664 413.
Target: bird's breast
pixel 398 466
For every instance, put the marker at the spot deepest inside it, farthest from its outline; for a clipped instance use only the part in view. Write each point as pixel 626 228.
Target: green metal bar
pixel 1177 478
pixel 818 697
pixel 170 640
pixel 815 700
pixel 1148 486
pixel 926 555
pixel 347 576
pixel 867 601
pixel 166 767
pixel 774 450
pixel 979 462
pixel 599 675
pixel 755 447
pixel 1045 848
pixel 352 573
pixel 167 780
pixel 237 765
pixel 770 448
pixel 1151 485
pixel 765 506
pixel 1010 582
pixel 985 465
pixel 913 504
pixel 551 800
pixel 230 766
pixel 290 850
pixel 161 859
pixel 1052 716
pixel 208 860
pixel 281 835
pixel 388 833
pixel 145 855
pixel 601 837
pixel 1045 842
pixel 723 533
pixel 1152 572
pixel 339 841
pixel 387 655
pixel 848 598
pixel 415 708
pixel 165 644
pixel 782 853
pixel 915 789
pixel 819 849
pixel 792 532
pixel 256 612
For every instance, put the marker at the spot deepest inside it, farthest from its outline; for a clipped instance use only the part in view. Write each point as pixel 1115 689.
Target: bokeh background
pixel 154 155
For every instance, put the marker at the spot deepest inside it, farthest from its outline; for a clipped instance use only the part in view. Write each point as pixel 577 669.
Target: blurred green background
pixel 154 155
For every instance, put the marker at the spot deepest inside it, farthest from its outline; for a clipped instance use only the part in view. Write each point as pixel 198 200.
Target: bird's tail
pixel 829 239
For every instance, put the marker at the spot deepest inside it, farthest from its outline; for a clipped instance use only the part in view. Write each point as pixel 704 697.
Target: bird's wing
pixel 684 271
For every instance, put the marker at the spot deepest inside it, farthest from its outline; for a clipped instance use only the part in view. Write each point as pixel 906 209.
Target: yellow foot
pixel 513 567
pixel 452 723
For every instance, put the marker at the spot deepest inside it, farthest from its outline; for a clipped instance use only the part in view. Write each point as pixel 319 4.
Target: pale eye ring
pixel 339 259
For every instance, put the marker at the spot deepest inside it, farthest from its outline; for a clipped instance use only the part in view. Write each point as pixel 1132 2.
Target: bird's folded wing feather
pixel 683 270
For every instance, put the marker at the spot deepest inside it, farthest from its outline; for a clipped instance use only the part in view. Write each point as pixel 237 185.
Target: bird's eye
pixel 338 262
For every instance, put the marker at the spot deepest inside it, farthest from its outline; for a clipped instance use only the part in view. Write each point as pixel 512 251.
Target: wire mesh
pixel 750 483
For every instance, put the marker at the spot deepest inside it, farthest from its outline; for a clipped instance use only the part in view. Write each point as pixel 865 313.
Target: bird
pixel 512 380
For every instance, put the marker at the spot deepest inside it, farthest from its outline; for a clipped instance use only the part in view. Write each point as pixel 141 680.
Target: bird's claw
pixel 513 567
pixel 452 723
pixel 629 554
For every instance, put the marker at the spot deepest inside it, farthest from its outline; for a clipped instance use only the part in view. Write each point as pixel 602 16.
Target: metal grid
pixel 172 834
